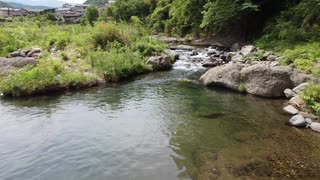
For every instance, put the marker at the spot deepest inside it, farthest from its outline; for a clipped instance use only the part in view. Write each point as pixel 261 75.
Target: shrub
pixel 106 33
pixel 243 88
pixel 118 64
pixel 148 46
pixel 312 96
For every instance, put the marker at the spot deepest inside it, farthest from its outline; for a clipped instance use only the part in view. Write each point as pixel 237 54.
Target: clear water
pixel 158 126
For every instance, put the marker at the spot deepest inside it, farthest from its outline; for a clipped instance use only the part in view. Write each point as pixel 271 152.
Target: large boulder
pixel 266 81
pixel 227 76
pixel 160 63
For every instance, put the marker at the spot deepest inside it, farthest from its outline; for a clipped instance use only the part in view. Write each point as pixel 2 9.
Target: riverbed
pixel 159 126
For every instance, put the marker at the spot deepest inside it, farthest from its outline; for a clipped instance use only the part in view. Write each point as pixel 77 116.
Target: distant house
pixel 6 12
pixel 67 5
pixel 62 11
pixel 71 17
pixel 81 8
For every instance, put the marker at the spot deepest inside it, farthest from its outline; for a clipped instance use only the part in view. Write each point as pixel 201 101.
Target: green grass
pixel 312 96
pixel 84 54
pixel 47 75
pixel 118 64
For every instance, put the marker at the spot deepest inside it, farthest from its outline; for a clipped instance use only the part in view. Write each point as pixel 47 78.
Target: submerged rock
pixel 160 63
pixel 291 110
pixel 298 121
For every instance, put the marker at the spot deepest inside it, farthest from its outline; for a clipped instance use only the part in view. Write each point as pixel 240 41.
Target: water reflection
pixel 152 128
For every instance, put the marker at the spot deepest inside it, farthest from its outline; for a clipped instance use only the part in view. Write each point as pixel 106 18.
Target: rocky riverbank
pixel 250 70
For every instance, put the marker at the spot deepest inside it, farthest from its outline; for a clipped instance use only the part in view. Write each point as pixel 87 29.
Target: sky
pixel 74 1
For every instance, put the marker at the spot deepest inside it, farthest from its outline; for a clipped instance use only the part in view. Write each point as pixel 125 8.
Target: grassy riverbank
pixel 75 56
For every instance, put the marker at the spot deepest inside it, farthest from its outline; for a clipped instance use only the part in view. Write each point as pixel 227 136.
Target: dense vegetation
pixel 75 56
pixel 96 2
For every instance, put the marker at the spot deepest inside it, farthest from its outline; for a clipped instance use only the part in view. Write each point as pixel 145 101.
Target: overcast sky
pixel 74 1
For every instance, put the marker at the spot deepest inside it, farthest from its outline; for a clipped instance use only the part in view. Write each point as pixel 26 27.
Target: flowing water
pixel 156 127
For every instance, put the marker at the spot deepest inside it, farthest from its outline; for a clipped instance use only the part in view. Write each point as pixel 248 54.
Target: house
pixel 5 12
pixel 71 17
pixel 81 8
pixel 62 11
pixel 67 5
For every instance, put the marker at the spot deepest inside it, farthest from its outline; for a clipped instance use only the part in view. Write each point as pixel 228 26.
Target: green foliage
pixel 96 2
pixel 148 46
pixel 51 17
pixel 92 14
pixel 118 64
pixel 219 14
pixel 312 96
pixel 242 88
pixel 48 75
pixel 298 24
pixel 124 9
pixel 107 33
pixel 304 57
pixel 255 56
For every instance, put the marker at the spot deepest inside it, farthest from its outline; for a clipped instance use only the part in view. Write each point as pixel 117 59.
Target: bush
pixel 118 64
pixel 312 96
pixel 148 46
pixel 106 33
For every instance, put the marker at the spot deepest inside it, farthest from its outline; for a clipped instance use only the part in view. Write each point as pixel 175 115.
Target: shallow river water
pixel 155 127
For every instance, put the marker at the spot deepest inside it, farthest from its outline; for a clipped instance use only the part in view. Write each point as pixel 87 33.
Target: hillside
pixel 19 6
pixel 3 4
pixel 96 2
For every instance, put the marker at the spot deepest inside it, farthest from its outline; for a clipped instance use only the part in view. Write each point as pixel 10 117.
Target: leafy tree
pixel 92 14
pixel 51 17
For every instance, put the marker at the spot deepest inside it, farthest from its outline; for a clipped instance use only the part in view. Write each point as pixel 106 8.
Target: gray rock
pixel 14 54
pixel 271 58
pixel 7 64
pixel 227 76
pixel 24 52
pixel 160 63
pixel 291 110
pixel 182 47
pixel 274 63
pixel 315 126
pixel 301 87
pixel 289 93
pixel 246 50
pixel 309 122
pixel 235 47
pixel 297 102
pixel 237 58
pixel 298 121
pixel 215 63
pixel 266 81
pixel 298 77
pixel 308 115
pixel 175 56
pixel 230 55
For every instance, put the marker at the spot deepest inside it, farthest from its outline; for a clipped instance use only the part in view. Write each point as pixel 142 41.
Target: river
pixel 158 126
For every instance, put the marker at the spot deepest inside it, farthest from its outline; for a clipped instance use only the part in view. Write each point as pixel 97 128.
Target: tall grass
pixel 118 64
